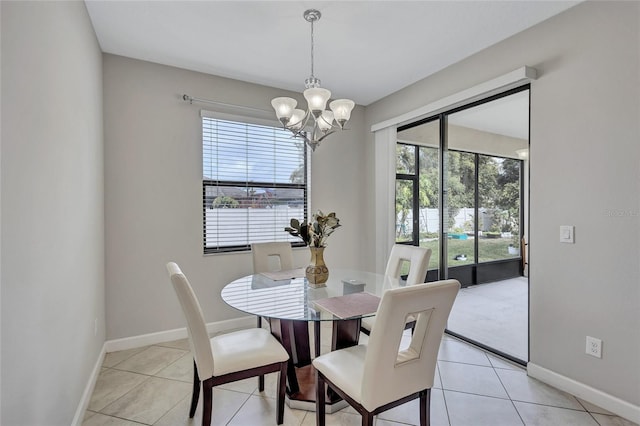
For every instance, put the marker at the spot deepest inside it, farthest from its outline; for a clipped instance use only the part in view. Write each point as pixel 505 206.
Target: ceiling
pixel 507 116
pixel 364 50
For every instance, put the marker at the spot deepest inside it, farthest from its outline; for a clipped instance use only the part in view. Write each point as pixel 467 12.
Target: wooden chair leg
pixel 207 402
pixel 282 386
pixel 196 391
pixel 320 416
pixel 425 407
pixel 316 336
pixel 260 378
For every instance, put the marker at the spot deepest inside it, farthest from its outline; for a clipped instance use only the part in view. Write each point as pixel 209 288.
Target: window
pixel 254 181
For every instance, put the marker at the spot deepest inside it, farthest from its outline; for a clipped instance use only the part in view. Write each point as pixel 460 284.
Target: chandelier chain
pixel 312 75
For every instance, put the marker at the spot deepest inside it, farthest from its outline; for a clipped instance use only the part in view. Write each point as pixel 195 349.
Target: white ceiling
pixel 364 50
pixel 508 116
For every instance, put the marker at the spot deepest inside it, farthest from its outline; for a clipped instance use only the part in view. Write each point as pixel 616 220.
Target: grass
pixel 488 249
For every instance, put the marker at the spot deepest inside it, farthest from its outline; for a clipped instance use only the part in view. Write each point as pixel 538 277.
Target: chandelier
pixel 316 123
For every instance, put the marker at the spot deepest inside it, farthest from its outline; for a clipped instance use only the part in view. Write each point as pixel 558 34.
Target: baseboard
pixel 145 340
pixel 610 403
pixel 176 334
pixel 88 390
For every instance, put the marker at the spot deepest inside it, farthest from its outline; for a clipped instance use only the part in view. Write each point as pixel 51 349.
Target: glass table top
pixel 295 298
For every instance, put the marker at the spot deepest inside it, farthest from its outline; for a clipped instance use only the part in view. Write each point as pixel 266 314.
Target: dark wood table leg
pixel 283 332
pixel 294 336
pixel 346 333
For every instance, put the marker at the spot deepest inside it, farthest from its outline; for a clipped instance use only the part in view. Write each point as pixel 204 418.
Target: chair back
pixel 196 326
pixel 391 373
pixel 418 257
pixel 262 252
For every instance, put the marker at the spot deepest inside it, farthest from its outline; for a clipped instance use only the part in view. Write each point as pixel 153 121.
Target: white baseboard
pixel 176 334
pixel 610 403
pixel 88 390
pixel 145 340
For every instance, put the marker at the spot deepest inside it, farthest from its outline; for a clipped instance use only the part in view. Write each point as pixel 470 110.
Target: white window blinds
pixel 254 181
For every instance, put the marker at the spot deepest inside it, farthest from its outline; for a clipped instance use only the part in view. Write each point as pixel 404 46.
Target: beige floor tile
pixel 151 360
pixel 182 369
pixel 258 411
pixel 88 414
pixel 457 351
pixel 150 401
pixel 498 362
pixel 475 410
pixel 471 379
pixel 409 413
pixel 593 408
pixel 521 387
pixel 225 405
pixel 249 385
pixel 111 385
pixel 114 358
pixel 606 420
pixel 544 415
pixel 102 420
pixel 270 386
pixel 341 418
pixel 177 344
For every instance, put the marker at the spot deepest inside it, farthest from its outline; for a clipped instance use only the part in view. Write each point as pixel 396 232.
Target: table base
pixel 301 375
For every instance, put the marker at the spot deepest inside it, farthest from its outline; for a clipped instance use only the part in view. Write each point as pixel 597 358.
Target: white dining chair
pixel 418 258
pixel 227 357
pixel 271 257
pixel 378 376
pixel 277 256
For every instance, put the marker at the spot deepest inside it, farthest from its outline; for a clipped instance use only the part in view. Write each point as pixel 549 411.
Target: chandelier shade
pixel 317 122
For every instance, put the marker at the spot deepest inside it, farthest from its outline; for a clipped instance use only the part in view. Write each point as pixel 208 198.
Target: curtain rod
pixel 191 100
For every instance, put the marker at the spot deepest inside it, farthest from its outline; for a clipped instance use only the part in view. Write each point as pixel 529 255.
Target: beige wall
pixel 52 241
pixel 584 159
pixel 153 195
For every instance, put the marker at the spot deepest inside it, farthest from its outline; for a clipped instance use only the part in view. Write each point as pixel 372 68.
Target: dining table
pixel 292 305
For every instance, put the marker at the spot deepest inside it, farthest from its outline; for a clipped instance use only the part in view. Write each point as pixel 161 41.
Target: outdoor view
pixel 498 203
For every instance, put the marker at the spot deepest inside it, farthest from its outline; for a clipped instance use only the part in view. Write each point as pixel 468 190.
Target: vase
pixel 317 272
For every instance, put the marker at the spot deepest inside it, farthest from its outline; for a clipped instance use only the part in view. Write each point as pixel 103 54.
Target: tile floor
pixel 152 386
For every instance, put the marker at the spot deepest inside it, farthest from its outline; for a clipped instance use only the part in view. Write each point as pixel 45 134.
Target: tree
pixel 224 202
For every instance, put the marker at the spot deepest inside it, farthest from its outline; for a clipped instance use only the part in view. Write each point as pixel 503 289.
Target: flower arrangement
pixel 314 234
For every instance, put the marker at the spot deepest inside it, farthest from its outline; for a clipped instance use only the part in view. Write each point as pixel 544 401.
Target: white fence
pixel 430 219
pixel 228 226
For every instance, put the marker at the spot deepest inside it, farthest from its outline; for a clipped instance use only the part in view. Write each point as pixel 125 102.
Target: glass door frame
pixel 443 264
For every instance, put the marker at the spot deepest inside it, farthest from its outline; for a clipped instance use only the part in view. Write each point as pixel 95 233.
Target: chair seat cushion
pixel 344 368
pixel 245 349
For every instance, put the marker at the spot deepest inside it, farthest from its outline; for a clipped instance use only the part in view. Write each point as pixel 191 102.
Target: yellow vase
pixel 317 272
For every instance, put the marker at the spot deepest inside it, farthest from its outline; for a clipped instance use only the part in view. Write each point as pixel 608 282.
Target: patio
pixel 494 314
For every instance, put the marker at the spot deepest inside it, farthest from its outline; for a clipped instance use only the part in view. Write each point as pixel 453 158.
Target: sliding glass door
pixel 460 190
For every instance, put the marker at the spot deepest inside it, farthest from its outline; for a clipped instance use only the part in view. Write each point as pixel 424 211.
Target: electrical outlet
pixel 594 347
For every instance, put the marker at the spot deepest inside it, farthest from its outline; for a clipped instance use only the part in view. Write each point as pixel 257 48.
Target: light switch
pixel 566 234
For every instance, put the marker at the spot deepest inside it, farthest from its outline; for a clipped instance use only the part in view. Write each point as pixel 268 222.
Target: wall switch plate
pixel 594 347
pixel 566 234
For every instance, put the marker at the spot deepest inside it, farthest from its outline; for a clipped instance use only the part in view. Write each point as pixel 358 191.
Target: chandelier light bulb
pixel 284 108
pixel 325 120
pixel 317 98
pixel 342 110
pixel 297 119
